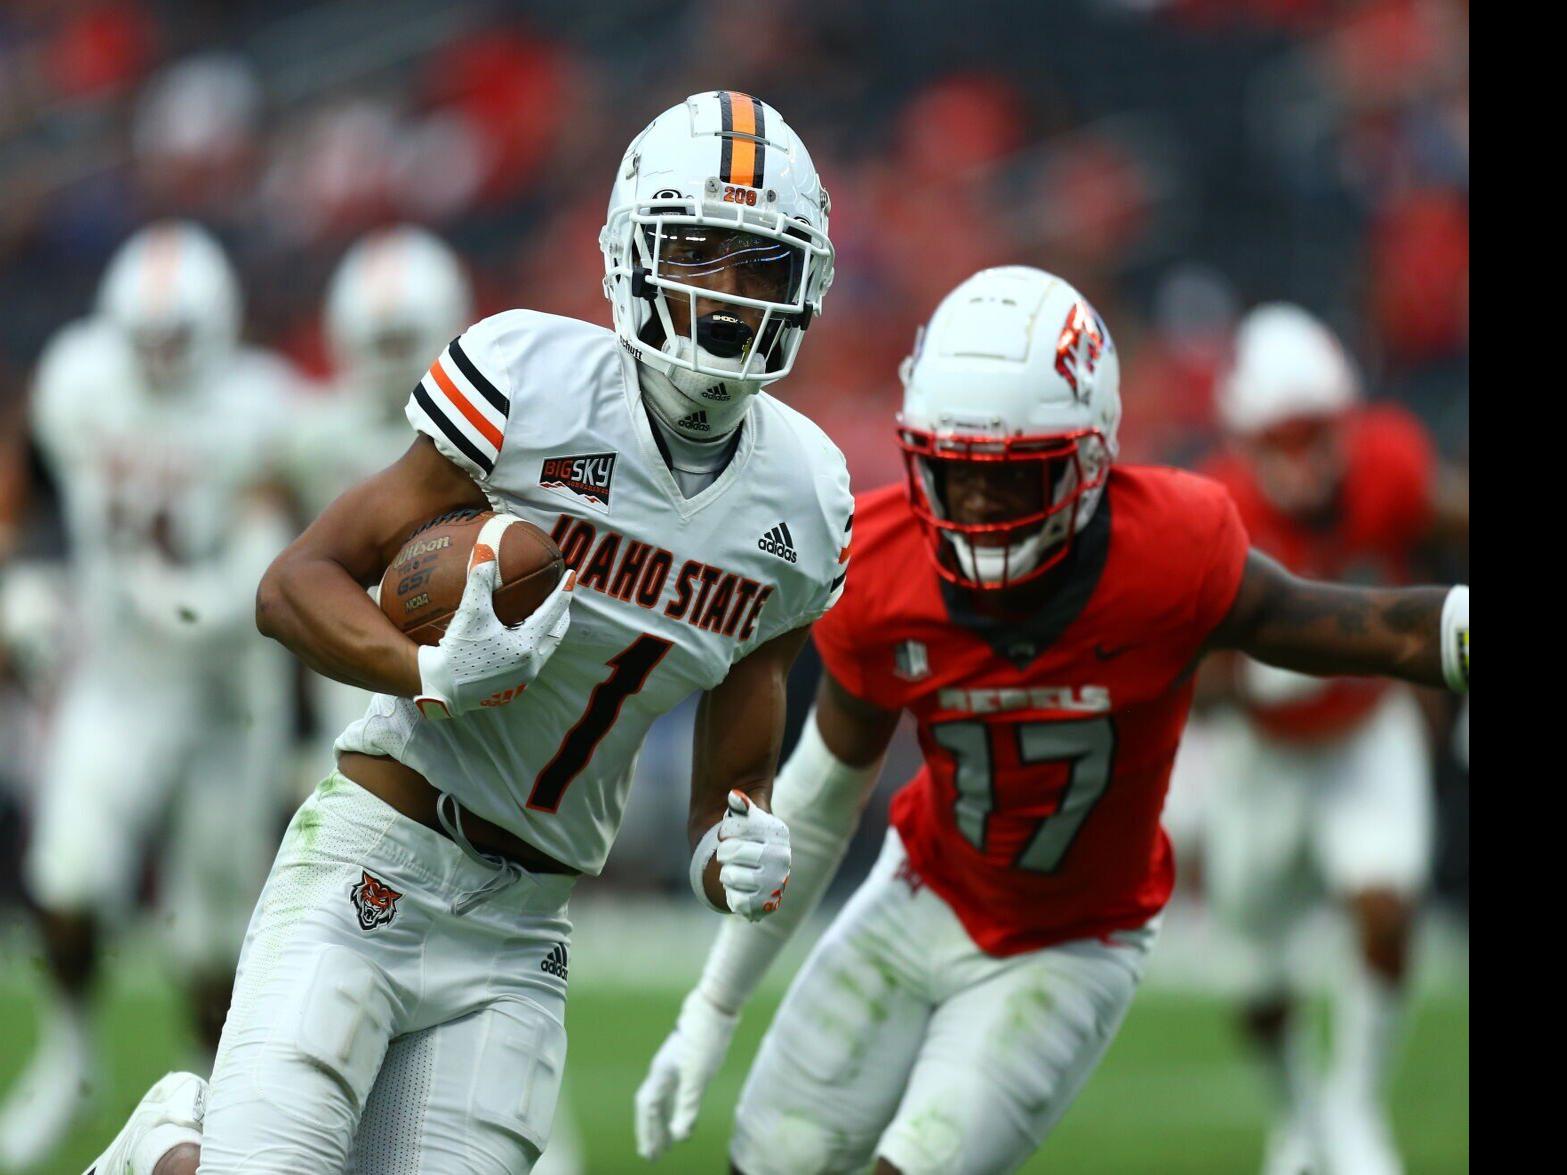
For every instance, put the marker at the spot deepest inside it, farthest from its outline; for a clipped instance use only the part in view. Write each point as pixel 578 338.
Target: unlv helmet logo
pixel 374 901
pixel 1078 349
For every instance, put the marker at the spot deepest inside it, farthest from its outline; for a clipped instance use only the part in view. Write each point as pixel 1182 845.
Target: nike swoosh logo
pixel 1105 654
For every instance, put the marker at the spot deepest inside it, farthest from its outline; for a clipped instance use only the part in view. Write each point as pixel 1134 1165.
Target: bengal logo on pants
pixel 374 901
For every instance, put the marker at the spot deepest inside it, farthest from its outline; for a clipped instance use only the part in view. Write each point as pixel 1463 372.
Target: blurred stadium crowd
pixel 1237 151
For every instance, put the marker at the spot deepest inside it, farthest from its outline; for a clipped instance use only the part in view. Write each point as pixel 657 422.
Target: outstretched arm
pixel 1420 634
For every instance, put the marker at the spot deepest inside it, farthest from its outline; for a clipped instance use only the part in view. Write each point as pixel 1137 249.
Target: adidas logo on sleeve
pixel 780 542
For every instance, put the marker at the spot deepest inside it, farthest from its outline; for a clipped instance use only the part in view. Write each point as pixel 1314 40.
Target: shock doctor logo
pixel 585 476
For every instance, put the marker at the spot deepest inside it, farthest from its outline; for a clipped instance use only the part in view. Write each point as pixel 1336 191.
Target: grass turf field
pixel 1175 1095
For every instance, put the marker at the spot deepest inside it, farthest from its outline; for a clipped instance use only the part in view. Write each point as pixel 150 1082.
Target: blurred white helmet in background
pixel 1287 365
pixel 172 291
pixel 203 107
pixel 398 296
pixel 1015 368
pixel 717 199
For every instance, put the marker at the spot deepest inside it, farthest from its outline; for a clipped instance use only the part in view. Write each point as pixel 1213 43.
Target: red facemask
pixel 1059 461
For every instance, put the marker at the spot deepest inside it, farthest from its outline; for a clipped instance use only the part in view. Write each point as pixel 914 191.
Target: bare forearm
pixel 710 794
pixel 739 731
pixel 1359 631
pixel 314 608
pixel 1332 630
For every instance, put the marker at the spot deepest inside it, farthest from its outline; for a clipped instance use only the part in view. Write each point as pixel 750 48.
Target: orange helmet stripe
pixel 743 150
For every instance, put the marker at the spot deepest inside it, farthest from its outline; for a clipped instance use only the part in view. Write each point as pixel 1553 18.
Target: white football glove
pixel 480 662
pixel 670 1095
pixel 753 858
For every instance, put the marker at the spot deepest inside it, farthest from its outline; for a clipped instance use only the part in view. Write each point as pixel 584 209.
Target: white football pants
pixel 399 1007
pixel 901 1038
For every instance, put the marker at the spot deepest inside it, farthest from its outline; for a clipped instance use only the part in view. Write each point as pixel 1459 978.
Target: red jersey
pixel 1384 509
pixel 1048 742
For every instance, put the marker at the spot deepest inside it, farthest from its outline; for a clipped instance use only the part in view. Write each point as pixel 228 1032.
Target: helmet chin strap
pixel 698 407
pixel 991 564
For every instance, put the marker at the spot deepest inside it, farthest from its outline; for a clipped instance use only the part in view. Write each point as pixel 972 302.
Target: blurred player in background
pixel 1325 789
pixel 1041 612
pixel 157 426
pixel 401 993
pixel 398 296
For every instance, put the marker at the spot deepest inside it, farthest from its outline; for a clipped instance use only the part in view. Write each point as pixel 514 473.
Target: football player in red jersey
pixel 1325 785
pixel 1040 612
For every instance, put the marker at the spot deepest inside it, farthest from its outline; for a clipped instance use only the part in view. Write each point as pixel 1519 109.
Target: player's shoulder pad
pixel 1385 432
pixel 78 356
pixel 1165 487
pixel 813 478
pixel 504 375
pixel 260 391
pixel 1176 503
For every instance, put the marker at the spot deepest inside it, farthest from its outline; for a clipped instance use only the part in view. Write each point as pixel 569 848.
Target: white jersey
pixel 149 477
pixel 340 436
pixel 545 414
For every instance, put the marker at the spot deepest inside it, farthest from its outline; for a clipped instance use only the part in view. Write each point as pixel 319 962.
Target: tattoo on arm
pixel 1332 629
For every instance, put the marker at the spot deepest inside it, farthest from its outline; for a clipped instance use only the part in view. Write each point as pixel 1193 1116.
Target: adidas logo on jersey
pixel 780 542
pixel 554 963
pixel 696 422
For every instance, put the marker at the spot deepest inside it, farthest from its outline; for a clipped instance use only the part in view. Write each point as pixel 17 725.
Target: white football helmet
pixel 717 201
pixel 171 289
pixel 1015 368
pixel 1287 366
pixel 398 296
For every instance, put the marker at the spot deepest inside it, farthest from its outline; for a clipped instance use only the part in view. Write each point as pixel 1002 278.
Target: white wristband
pixel 1455 639
pixel 705 848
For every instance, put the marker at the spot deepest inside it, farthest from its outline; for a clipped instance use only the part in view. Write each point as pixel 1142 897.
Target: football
pixel 423 585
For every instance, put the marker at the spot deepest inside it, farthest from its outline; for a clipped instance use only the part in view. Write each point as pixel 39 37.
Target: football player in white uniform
pixel 401 995
pixel 157 427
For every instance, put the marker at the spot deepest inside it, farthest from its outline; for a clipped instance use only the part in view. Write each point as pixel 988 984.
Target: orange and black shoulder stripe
pixel 743 136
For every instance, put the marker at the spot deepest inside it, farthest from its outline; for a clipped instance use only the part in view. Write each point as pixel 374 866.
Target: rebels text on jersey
pixel 1384 508
pixel 545 414
pixel 1047 743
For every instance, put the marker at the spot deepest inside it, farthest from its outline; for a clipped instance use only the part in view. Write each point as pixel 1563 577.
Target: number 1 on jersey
pixel 631 667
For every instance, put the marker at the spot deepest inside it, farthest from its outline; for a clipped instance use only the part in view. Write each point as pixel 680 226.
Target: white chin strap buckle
pixel 993 564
